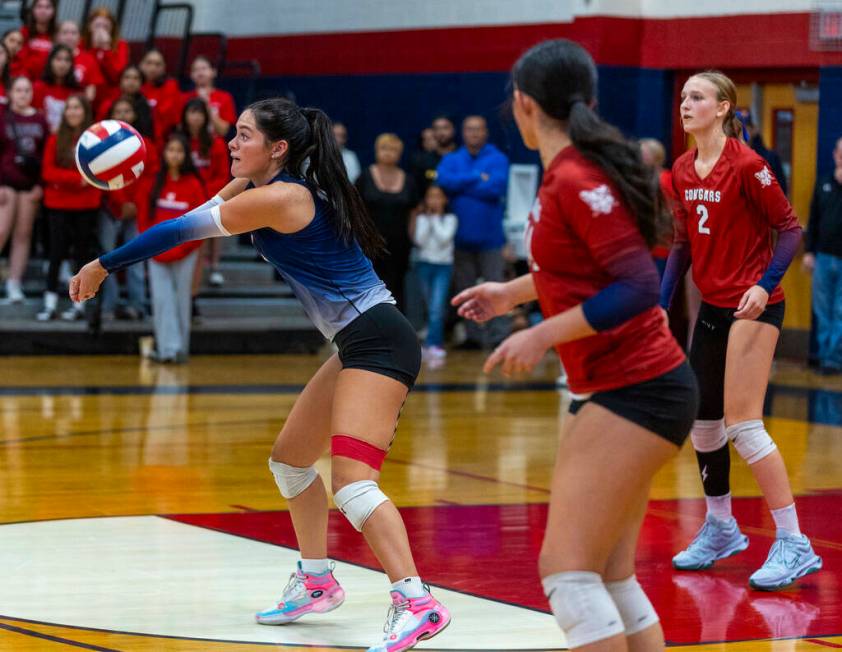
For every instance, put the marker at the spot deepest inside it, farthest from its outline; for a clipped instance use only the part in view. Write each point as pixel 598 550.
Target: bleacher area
pixel 253 311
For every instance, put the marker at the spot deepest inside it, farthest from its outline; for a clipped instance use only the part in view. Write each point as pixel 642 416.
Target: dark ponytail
pixel 314 155
pixel 561 77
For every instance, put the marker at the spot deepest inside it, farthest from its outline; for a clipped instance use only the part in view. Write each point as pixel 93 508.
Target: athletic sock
pixel 786 518
pixel 411 587
pixel 719 506
pixel 315 566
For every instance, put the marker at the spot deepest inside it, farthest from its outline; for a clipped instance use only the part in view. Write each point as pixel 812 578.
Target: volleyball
pixel 110 154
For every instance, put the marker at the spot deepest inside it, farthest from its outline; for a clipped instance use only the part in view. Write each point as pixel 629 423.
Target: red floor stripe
pixel 815 641
pixel 492 550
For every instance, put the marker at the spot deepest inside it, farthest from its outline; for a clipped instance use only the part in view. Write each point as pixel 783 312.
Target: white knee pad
pixel 358 501
pixel 751 440
pixel 634 606
pixel 292 480
pixel 708 436
pixel 583 607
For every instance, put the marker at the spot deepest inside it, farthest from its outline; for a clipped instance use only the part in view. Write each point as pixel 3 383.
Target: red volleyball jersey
pixel 728 218
pixel 577 228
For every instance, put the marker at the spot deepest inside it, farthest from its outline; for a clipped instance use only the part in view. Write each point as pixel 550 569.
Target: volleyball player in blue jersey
pixel 312 227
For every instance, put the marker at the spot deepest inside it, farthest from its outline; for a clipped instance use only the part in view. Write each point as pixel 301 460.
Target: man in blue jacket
pixel 475 178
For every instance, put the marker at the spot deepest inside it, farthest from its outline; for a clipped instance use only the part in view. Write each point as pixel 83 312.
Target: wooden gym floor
pixel 137 512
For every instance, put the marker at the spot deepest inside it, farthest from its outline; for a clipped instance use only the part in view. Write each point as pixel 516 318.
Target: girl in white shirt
pixel 432 232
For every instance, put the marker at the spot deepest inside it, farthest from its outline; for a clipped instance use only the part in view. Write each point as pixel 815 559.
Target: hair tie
pixel 573 100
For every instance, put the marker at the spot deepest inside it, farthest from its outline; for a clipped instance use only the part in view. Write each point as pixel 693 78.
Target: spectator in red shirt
pixel 38 31
pixel 85 67
pixel 209 151
pixel 131 81
pixel 220 103
pixel 101 38
pixel 177 190
pixel 210 156
pixel 5 76
pixel 72 204
pixel 23 131
pixel 56 85
pixel 125 209
pixel 13 42
pixel 162 93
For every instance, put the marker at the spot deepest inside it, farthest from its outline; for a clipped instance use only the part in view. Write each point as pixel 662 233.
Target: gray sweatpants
pixel 170 285
pixel 468 268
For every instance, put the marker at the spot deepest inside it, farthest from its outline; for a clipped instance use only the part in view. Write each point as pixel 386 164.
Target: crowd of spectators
pixel 57 79
pixel 441 217
pixel 442 220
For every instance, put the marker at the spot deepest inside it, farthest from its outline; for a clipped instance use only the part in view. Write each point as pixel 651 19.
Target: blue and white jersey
pixel 334 281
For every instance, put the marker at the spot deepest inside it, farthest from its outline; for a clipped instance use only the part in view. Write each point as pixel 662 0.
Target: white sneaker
pixel 48 313
pixel 64 272
pixel 790 557
pixel 410 621
pixel 74 313
pixel 433 353
pixel 216 279
pixel 433 356
pixel 14 293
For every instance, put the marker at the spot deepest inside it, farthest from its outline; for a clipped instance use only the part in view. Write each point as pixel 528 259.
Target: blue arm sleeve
pixel 677 265
pixel 781 258
pixel 635 290
pixel 198 224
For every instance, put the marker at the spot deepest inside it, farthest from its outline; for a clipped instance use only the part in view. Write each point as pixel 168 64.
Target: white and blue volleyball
pixel 110 154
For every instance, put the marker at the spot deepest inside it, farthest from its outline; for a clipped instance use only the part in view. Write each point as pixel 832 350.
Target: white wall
pixel 241 17
pixel 261 17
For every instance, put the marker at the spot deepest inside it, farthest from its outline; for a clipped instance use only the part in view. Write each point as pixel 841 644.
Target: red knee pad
pixel 357 449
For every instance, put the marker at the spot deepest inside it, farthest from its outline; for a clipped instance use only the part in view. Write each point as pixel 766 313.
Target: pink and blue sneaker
pixel 410 621
pixel 304 594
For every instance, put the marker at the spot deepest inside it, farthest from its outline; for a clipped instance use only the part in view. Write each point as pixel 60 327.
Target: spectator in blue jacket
pixel 475 178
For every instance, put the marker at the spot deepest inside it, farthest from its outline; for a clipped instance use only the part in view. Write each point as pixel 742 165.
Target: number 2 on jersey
pixel 703 218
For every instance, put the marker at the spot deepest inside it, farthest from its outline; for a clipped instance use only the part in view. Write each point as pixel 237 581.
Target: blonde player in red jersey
pixel 729 205
pixel 589 235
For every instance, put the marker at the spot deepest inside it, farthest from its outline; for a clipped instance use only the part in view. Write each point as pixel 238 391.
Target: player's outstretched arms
pixel 488 300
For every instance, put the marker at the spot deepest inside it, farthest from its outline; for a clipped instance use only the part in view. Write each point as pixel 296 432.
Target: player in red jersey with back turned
pixel 635 396
pixel 729 203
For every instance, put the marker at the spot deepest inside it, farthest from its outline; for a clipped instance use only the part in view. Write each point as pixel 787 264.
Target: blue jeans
pixel 110 232
pixel 435 284
pixel 827 306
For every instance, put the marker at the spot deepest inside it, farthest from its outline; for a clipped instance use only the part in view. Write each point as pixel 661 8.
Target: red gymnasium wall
pixel 750 41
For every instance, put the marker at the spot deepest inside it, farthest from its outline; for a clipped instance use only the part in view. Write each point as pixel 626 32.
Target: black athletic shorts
pixel 665 405
pixel 708 349
pixel 383 341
